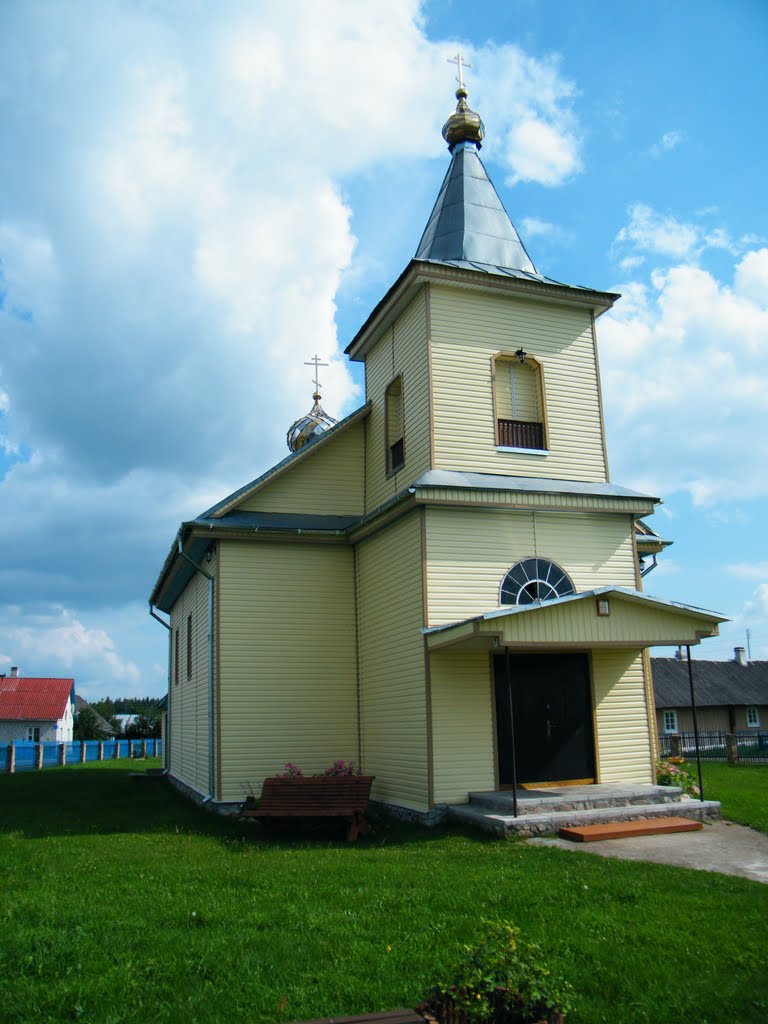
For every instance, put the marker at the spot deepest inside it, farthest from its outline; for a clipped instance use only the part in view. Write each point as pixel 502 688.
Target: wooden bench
pixel 390 1017
pixel 322 796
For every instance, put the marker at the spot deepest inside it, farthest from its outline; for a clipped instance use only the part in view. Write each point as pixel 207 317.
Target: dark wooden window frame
pixel 189 647
pixel 395 450
pixel 524 434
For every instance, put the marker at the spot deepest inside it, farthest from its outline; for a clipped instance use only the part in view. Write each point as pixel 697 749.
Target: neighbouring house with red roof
pixel 35 708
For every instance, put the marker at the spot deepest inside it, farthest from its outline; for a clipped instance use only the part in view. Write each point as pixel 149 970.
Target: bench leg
pixel 357 826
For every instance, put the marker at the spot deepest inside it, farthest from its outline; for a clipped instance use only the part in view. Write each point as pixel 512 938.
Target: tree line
pixel 146 725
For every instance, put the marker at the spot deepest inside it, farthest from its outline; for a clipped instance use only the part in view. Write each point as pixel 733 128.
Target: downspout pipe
pixel 167 744
pixel 209 577
pixel 695 723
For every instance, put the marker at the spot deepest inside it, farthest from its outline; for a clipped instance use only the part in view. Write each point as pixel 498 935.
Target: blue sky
pixel 196 198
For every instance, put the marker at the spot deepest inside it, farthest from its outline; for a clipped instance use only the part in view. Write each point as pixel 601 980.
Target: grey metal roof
pixel 542 485
pixel 291 521
pixel 469 221
pixel 715 683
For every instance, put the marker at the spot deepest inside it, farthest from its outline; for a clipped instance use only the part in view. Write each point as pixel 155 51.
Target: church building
pixel 444 586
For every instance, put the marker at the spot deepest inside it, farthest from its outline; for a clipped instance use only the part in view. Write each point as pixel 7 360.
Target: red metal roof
pixel 34 698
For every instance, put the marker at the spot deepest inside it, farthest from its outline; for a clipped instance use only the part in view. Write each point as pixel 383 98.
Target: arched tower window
pixel 535 579
pixel 519 400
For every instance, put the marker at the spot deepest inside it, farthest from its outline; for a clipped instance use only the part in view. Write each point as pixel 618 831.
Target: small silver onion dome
pixel 315 423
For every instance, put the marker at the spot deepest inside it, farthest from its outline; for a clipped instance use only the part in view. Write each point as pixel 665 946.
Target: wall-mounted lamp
pixel 603 606
pixel 521 354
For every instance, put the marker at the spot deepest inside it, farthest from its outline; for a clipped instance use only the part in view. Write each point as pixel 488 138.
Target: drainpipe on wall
pixel 695 723
pixel 208 576
pixel 167 747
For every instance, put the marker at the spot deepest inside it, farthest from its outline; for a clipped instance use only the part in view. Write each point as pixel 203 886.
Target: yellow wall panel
pixel 467 330
pixel 470 551
pixel 392 666
pixel 327 481
pixel 462 725
pixel 400 351
pixel 621 717
pixel 189 701
pixel 288 660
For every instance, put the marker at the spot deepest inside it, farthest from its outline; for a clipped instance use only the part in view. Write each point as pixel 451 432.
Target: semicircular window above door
pixel 535 579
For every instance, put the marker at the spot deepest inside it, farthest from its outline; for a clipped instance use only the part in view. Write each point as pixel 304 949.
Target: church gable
pixel 327 479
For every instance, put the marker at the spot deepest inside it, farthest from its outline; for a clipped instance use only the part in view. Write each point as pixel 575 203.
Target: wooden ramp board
pixel 390 1017
pixel 627 829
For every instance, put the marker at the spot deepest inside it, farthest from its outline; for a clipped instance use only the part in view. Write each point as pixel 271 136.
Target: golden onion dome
pixel 464 125
pixel 315 423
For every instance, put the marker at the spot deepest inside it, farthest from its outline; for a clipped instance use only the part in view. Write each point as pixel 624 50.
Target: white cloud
pixel 55 642
pixel 533 227
pixel 664 235
pixel 650 231
pixel 173 237
pixel 751 280
pixel 749 570
pixel 667 142
pixel 685 374
pixel 529 103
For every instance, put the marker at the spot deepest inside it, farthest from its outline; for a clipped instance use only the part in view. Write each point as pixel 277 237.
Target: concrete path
pixel 720 846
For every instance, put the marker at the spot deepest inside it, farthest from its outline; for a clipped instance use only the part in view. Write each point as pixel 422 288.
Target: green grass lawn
pixel 123 902
pixel 741 789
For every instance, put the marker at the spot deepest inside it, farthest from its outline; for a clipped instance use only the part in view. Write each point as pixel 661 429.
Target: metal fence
pixel 750 747
pixel 22 755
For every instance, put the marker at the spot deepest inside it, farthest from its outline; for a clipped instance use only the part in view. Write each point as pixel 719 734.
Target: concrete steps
pixel 544 812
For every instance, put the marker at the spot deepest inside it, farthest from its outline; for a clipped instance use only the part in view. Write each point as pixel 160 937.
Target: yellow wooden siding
pixel 630 624
pixel 621 717
pixel 401 351
pixel 470 551
pixel 288 661
pixel 467 330
pixel 189 700
pixel 327 481
pixel 462 725
pixel 534 499
pixel 392 665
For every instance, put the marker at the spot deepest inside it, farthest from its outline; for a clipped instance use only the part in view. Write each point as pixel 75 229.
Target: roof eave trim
pixel 420 271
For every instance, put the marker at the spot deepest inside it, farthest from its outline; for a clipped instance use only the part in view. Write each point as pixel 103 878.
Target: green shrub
pixel 670 774
pixel 499 980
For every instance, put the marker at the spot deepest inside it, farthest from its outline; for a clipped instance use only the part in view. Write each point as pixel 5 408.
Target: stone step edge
pixel 536 824
pixel 501 804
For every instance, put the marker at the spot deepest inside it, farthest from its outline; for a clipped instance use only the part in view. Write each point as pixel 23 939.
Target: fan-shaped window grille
pixel 535 579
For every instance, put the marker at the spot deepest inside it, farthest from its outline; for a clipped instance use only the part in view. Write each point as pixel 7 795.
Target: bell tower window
pixel 394 428
pixel 519 402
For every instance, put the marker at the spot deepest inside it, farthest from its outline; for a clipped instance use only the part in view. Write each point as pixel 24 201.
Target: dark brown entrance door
pixel 547 699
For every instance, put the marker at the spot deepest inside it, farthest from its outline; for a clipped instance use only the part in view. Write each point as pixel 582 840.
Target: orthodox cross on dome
pixel 461 63
pixel 315 361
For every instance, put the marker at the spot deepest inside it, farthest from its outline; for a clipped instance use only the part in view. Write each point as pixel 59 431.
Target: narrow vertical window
pixel 176 657
pixel 394 428
pixel 189 647
pixel 518 398
pixel 753 718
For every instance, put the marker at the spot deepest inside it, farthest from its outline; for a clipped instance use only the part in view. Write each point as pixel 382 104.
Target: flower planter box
pixel 318 796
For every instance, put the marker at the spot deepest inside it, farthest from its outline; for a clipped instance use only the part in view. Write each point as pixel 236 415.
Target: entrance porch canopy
pixel 601 618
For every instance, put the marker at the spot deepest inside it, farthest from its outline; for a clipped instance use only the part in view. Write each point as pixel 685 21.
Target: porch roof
pixel 634 620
